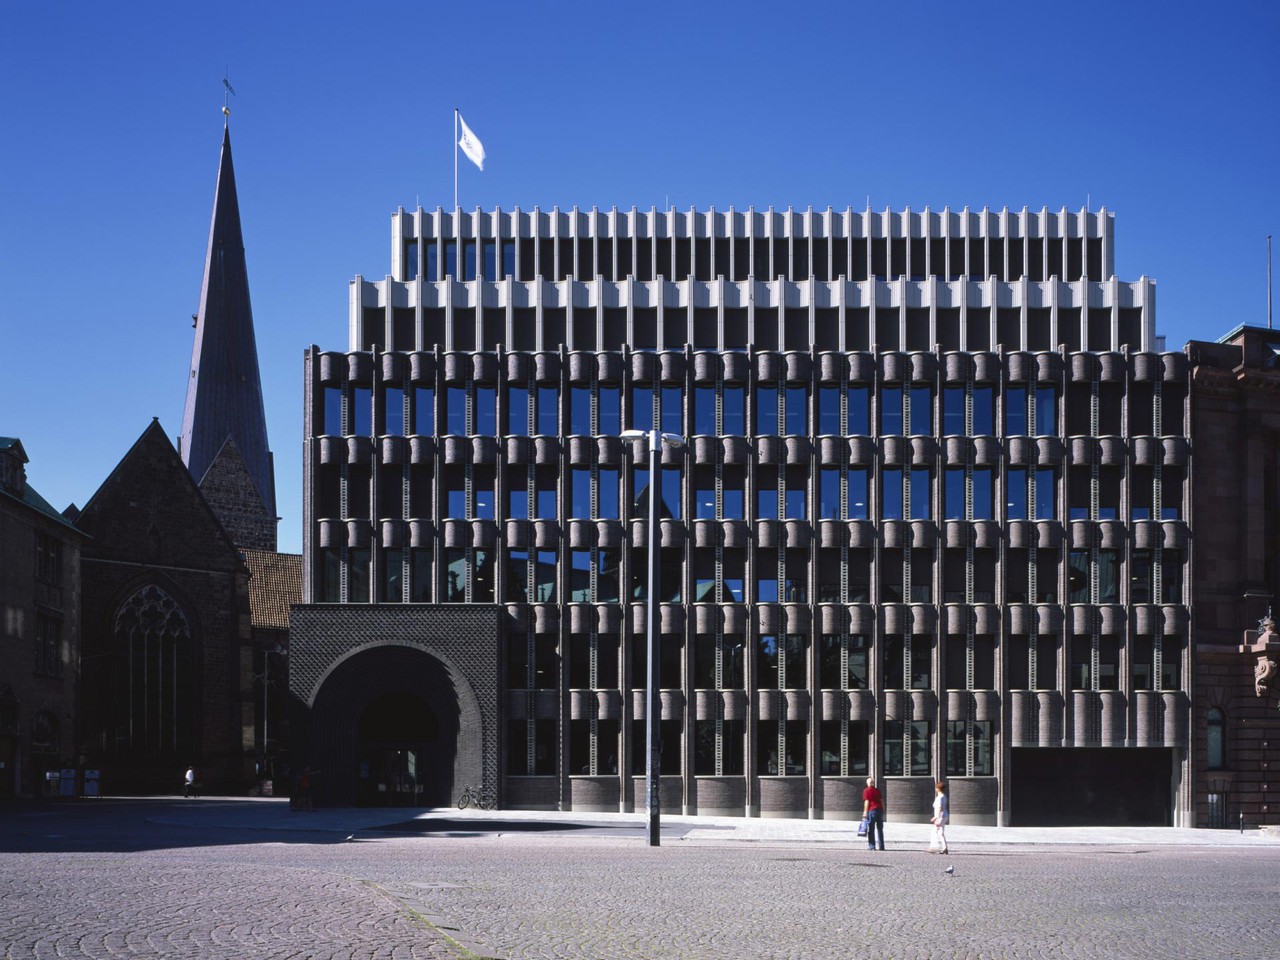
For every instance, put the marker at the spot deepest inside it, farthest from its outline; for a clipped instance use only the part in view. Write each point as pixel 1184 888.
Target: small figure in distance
pixel 873 813
pixel 189 782
pixel 941 817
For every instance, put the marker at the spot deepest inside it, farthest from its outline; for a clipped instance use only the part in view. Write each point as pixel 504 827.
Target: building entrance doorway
pixel 1092 786
pixel 396 749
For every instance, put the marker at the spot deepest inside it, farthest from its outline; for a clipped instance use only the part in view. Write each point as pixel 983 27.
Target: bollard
pixel 1242 821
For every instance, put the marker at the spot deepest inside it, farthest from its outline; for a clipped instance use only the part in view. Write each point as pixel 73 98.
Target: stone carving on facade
pixel 1266 669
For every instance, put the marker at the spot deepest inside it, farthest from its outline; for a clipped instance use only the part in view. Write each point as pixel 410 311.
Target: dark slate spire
pixel 224 392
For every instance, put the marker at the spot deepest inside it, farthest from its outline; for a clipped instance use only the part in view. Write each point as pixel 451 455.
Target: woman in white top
pixel 941 817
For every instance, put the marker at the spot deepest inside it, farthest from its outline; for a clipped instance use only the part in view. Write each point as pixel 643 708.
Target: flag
pixel 471 144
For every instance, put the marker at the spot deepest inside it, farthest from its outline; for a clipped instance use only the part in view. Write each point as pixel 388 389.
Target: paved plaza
pixel 221 878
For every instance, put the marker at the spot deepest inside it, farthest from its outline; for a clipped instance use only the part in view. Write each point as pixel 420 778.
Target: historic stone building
pixel 39 631
pixel 929 519
pixel 1235 428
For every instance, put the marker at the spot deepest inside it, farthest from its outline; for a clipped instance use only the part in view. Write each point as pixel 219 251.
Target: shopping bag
pixel 862 827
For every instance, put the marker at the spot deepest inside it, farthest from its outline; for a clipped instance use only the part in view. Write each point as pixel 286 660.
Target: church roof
pixel 275 583
pixel 224 390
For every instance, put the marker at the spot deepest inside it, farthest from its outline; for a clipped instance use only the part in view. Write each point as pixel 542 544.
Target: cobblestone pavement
pixel 126 882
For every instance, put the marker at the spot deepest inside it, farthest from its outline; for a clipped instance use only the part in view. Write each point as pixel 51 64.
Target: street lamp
pixel 652 705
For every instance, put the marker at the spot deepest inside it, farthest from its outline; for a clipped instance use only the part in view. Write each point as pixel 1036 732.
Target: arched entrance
pixel 397 747
pixel 385 730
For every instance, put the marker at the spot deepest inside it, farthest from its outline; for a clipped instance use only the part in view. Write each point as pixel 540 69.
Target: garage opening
pixel 1086 787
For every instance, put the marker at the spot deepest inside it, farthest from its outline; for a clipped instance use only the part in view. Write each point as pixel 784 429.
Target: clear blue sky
pixel 1167 114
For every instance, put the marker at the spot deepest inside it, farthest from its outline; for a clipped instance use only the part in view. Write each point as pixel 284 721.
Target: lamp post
pixel 652 704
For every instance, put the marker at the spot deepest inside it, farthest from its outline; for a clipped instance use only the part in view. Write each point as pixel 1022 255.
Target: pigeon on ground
pixel 951 870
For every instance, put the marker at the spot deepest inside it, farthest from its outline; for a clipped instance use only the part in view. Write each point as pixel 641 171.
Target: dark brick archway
pixel 346 659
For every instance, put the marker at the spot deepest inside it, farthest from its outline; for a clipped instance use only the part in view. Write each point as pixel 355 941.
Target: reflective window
pixel 953 493
pixel 548 411
pixel 859 413
pixel 424 419
pixel 455 410
pixel 393 411
pixel 766 410
pixel 579 575
pixel 921 411
pixel 953 411
pixel 797 410
pixel 608 498
pixel 486 412
pixel 362 411
pixel 828 411
pixel 1015 490
pixel 1015 411
pixel 1046 412
pixel 544 588
pixel 921 502
pixel 580 410
pixel 1046 505
pixel 704 411
pixel 332 412
pixel 641 407
pixel 518 411
pixel 610 412
pixel 983 494
pixel 829 494
pixel 859 494
pixel 671 493
pixel 891 494
pixel 580 493
pixel 890 411
pixel 984 411
pixel 735 411
pixel 518 501
pixel 673 410
pixel 1216 733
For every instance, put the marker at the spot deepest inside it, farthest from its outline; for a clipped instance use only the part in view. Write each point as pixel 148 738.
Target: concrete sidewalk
pixel 272 814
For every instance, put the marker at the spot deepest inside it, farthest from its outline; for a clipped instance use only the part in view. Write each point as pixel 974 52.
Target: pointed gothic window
pixel 154 683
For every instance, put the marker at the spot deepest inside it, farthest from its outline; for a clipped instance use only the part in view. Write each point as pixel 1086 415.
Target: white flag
pixel 471 144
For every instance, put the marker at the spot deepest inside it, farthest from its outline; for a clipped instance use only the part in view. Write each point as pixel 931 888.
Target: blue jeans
pixel 875 822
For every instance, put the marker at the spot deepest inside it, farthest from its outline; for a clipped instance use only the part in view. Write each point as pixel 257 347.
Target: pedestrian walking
pixel 873 813
pixel 941 817
pixel 189 782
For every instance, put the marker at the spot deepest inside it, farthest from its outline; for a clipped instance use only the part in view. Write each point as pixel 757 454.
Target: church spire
pixel 224 389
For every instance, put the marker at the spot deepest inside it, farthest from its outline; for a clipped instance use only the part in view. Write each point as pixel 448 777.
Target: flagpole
pixel 455 158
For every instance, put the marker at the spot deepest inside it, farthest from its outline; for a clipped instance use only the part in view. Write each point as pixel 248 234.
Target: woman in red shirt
pixel 873 813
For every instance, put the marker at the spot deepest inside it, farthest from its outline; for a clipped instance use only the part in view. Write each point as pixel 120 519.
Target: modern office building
pixel 929 518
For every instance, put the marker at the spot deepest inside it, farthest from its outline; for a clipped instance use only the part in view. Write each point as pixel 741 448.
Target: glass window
pixel 1108 576
pixel 610 412
pixel 984 497
pixel 483 491
pixel 455 410
pixel 608 576
pixel 1078 576
pixel 921 755
pixel 829 411
pixel 1046 502
pixel 482 576
pixel 859 399
pixel 362 411
pixel 984 411
pixel 332 412
pixel 673 410
pixel 956 766
pixel 393 406
pixel 766 572
pixel 1016 493
pixel 548 411
pixel 1046 412
pixel 797 410
pixel 486 412
pixel 890 411
pixel 490 259
pixel 424 414
pixel 1015 411
pixel 921 411
pixel 331 583
pixel 795 498
pixel 580 410
pixel 641 407
pixel 921 503
pixel 767 662
pixel 735 411
pixel 704 411
pixel 544 590
pixel 829 493
pixel 508 266
pixel 608 497
pixel 1216 732
pixel 1171 573
pixel 767 495
pixel 450 258
pixel 733 567
pixel 671 493
pixel 517 579
pixel 953 493
pixel 766 410
pixel 580 493
pixel 704 494
pixel 733 494
pixel 433 269
pixel 953 410
pixel 468 260
pixel 455 498
pixel 518 411
pixel 579 575
pixel 545 492
pixel 455 575
pixel 859 495
pixel 421 586
pixel 891 494
pixel 358 580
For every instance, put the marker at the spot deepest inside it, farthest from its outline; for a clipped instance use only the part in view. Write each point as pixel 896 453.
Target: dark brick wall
pixel 230 491
pixel 343 657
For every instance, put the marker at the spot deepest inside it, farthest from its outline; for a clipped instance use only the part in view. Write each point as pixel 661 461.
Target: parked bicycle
pixel 472 795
